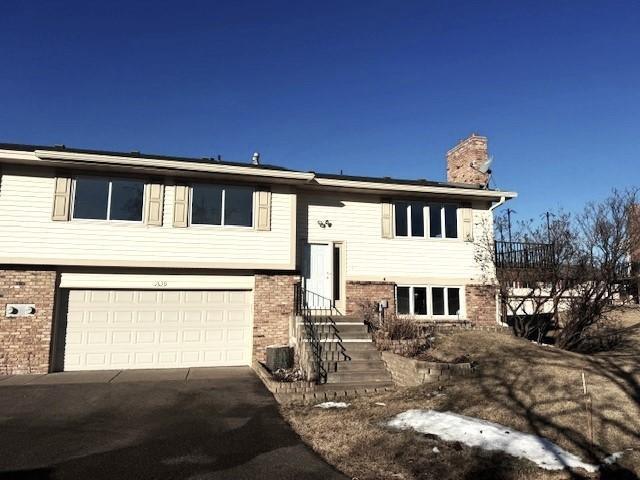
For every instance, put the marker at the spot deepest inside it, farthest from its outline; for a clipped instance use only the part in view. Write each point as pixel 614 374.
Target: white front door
pixel 318 275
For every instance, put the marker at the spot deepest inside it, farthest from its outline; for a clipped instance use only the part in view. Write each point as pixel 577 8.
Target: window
pixel 402 226
pixel 435 225
pixel 422 300
pixel 98 198
pixel 453 301
pixel 443 220
pixel 410 220
pixel 437 299
pixel 419 300
pixel 417 219
pixel 403 302
pixel 337 279
pixel 222 205
pixel 451 221
pixel 445 301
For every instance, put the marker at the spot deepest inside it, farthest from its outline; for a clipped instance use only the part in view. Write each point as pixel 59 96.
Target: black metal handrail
pixel 524 255
pixel 315 309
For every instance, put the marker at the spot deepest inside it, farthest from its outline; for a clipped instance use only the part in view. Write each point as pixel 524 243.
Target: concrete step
pixel 332 355
pixel 368 376
pixel 354 365
pixel 352 386
pixel 339 318
pixel 344 336
pixel 348 344
pixel 344 329
pixel 361 365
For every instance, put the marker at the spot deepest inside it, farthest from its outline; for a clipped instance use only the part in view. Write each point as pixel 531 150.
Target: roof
pixel 215 164
pixel 150 156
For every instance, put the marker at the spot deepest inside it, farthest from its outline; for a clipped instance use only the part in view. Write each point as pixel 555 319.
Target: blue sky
pixel 373 88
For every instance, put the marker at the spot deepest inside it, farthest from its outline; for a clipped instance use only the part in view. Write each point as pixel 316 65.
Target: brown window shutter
pixel 263 209
pixel 61 199
pixel 387 218
pixel 155 201
pixel 467 222
pixel 181 207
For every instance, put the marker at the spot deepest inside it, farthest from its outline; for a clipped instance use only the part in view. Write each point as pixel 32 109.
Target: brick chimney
pixel 464 160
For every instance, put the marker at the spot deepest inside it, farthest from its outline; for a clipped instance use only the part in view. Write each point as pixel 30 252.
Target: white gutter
pixel 501 202
pixel 403 187
pixel 117 160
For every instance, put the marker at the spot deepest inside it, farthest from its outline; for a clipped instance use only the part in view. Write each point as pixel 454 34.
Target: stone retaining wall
pixel 309 392
pixel 410 372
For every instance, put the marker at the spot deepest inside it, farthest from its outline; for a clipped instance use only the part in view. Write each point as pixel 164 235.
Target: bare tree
pixel 604 241
pixel 566 274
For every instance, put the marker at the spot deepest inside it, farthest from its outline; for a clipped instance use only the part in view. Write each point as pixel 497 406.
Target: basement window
pixel 99 198
pixel 428 301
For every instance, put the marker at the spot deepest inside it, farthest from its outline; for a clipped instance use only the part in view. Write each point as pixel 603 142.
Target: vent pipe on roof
pixel 255 160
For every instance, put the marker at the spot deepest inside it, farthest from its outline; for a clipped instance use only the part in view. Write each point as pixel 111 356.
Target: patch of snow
pixel 435 450
pixel 614 457
pixel 489 436
pixel 380 404
pixel 543 344
pixel 332 405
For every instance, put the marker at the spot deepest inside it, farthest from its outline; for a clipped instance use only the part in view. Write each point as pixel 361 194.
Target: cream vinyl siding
pixel 356 220
pixel 27 233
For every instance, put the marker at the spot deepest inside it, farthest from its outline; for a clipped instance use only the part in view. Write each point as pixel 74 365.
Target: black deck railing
pixel 524 255
pixel 317 312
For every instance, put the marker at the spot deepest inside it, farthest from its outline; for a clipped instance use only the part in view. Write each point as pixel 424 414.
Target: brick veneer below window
pixel 25 341
pixel 359 293
pixel 272 311
pixel 481 304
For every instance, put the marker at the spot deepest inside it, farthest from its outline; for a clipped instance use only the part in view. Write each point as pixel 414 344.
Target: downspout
pixel 503 199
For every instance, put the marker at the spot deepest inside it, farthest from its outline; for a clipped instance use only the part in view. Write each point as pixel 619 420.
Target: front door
pixel 317 275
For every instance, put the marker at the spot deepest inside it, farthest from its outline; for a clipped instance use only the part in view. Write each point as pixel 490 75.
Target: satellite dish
pixel 486 166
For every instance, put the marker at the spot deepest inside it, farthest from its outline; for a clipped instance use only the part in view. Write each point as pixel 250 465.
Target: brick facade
pixel 273 308
pixel 360 293
pixel 464 159
pixel 25 342
pixel 481 304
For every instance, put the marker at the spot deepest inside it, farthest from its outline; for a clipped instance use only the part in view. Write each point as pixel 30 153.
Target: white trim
pixel 430 315
pixel 162 163
pixel 401 187
pixel 156 281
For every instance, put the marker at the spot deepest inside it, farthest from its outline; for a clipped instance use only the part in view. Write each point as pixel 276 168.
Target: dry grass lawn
pixel 520 384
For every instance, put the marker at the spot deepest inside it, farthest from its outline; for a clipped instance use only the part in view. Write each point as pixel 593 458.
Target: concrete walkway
pixel 200 423
pixel 115 376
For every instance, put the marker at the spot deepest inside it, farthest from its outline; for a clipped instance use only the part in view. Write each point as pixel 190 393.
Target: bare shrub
pixel 370 315
pixel 400 328
pixel 288 375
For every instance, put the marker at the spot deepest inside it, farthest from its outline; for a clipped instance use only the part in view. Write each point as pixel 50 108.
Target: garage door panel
pixel 152 329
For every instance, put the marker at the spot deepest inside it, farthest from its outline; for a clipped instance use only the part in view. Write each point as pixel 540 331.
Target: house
pixel 113 260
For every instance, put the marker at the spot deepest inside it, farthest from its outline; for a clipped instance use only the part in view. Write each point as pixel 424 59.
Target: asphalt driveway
pixel 183 424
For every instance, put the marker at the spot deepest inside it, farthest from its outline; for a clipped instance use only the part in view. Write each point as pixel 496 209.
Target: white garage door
pixel 119 329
